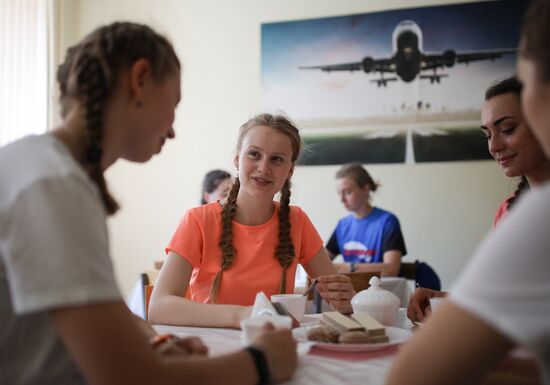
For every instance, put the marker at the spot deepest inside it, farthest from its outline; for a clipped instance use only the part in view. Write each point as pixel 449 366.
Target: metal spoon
pixel 311 287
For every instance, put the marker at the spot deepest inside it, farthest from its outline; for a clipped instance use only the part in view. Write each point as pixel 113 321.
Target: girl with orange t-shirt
pixel 223 253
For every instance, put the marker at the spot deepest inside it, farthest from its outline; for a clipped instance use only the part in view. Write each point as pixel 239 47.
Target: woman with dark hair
pixel 215 186
pixel 502 299
pixel 511 142
pixel 515 148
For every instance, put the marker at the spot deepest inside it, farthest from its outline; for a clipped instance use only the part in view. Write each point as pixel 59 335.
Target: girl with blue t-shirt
pixel 370 238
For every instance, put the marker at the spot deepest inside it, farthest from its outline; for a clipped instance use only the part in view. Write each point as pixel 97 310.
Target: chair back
pixel 360 280
pixel 422 273
pixel 408 270
pixel 147 291
pixel 148 279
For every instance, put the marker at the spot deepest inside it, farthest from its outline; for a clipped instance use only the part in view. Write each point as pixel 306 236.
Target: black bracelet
pixel 261 364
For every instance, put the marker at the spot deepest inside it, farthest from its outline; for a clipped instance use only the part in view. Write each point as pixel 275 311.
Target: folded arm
pixel 388 268
pixel 169 306
pixel 94 334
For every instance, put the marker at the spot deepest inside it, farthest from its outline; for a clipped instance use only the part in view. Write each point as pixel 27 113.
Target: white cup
pixel 252 327
pixel 294 303
pixel 435 302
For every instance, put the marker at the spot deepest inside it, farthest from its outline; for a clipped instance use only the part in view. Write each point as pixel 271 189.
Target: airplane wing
pixel 368 64
pixel 357 66
pixel 449 58
pixel 466 57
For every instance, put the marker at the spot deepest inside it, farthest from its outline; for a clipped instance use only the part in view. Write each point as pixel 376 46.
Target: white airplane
pixel 409 59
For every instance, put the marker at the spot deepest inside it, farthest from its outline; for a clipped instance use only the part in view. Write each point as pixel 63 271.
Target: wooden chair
pixel 360 280
pixel 147 291
pixel 148 279
pixel 408 270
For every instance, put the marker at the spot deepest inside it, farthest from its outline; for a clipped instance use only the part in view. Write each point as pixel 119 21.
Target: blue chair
pixel 422 273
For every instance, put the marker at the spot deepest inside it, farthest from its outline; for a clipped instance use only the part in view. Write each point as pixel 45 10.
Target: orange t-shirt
pixel 255 267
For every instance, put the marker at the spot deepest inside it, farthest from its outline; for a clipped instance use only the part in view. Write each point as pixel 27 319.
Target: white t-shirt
pixel 54 253
pixel 507 283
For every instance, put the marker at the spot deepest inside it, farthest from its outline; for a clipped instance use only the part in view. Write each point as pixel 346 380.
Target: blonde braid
pixel 285 249
pixel 226 238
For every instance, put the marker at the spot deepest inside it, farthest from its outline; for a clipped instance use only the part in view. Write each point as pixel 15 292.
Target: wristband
pixel 352 267
pixel 159 339
pixel 261 364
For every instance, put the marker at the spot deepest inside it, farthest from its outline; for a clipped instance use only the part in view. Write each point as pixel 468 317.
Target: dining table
pixel 317 364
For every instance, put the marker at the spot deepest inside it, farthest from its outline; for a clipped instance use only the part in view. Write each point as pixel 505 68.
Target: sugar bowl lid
pixel 375 296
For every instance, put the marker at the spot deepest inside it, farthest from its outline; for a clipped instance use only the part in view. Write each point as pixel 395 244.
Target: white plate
pixel 397 336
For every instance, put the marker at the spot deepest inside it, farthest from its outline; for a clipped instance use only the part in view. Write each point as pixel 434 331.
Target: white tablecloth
pixel 317 367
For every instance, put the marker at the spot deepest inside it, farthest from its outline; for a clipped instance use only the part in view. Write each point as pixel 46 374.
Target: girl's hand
pixel 337 291
pixel 279 348
pixel 419 303
pixel 173 345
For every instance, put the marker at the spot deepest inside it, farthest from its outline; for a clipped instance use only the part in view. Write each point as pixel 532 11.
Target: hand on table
pixel 181 346
pixel 337 291
pixel 279 348
pixel 419 303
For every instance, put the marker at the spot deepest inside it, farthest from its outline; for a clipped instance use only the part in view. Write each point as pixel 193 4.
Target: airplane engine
pixel 449 58
pixel 368 64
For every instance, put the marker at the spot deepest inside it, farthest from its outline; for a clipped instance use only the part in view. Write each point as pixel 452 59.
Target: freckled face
pixel 264 161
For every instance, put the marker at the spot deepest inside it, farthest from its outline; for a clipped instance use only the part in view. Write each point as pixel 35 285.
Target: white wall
pixel 444 208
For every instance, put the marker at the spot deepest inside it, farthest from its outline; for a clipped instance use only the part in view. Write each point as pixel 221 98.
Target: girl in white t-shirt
pixel 62 318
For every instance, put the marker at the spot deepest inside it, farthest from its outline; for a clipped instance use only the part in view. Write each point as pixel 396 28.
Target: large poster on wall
pixel 403 86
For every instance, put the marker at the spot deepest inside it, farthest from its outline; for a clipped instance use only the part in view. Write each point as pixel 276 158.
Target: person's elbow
pixel 156 313
pixel 392 262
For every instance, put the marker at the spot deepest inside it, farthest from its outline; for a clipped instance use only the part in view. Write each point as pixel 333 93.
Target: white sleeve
pixel 57 251
pixel 507 282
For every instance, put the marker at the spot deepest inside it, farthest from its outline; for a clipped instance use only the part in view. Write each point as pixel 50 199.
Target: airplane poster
pixel 403 86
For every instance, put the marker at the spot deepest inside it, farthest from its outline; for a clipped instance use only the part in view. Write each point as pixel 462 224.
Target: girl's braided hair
pixel 91 72
pixel 284 251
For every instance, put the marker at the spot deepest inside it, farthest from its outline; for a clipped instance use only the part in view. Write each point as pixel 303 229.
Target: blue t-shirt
pixel 365 240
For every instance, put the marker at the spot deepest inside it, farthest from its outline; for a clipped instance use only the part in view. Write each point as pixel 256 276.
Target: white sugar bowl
pixel 381 304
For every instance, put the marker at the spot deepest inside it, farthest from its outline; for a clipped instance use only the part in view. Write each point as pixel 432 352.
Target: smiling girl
pixel 225 252
pixel 511 142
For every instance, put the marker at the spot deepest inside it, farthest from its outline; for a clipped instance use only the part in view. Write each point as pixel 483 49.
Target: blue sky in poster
pixel 308 94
